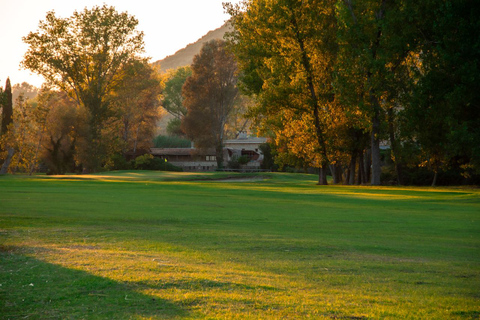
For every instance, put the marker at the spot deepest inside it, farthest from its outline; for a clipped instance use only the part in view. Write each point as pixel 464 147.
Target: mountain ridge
pixel 184 57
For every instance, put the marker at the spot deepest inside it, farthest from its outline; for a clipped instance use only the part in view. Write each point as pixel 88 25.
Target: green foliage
pixel 286 54
pixel 443 114
pixel 171 142
pixel 326 75
pixel 173 98
pixel 174 127
pixel 143 162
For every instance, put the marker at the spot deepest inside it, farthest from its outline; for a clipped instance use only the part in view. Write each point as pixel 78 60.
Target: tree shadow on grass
pixel 33 289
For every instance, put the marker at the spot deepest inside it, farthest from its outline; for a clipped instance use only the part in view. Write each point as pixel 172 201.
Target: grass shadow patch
pixel 31 288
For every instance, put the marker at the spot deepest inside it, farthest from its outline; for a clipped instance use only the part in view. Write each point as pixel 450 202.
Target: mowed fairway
pixel 141 245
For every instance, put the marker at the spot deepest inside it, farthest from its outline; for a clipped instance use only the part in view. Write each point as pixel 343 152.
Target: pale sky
pixel 169 25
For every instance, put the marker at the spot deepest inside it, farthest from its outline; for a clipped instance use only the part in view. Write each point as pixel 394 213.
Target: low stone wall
pixel 196 165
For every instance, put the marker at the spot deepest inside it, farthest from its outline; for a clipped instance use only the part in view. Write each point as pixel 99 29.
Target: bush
pixel 243 160
pixel 236 162
pixel 118 162
pixel 149 162
pixel 233 163
pixel 268 157
pixel 144 162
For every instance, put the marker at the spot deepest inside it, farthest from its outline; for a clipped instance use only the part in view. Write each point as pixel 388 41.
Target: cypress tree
pixel 6 121
pixel 7 107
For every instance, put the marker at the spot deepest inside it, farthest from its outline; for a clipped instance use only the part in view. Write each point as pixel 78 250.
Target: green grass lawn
pixel 158 245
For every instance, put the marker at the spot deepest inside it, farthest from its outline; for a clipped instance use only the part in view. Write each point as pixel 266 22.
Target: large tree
pixel 286 51
pixel 82 55
pixel 444 111
pixel 210 96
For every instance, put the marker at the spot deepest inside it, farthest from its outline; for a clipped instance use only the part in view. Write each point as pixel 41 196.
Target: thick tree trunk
pixel 322 176
pixel 336 171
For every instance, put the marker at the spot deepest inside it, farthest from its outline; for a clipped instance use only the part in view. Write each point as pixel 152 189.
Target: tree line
pixel 332 80
pixel 100 98
pixel 100 104
pixel 360 90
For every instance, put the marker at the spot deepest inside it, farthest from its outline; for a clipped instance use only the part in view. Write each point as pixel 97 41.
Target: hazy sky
pixel 167 25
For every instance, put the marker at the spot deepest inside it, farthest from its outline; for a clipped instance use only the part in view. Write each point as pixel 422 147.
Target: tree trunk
pixel 336 171
pixel 375 143
pixel 393 143
pixel 353 164
pixel 434 182
pixel 7 161
pixel 375 135
pixel 219 156
pixel 135 141
pixel 37 150
pixel 305 60
pixel 367 164
pixel 322 176
pixel 361 170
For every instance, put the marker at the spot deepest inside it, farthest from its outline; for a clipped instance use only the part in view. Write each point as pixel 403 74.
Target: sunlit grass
pixel 181 245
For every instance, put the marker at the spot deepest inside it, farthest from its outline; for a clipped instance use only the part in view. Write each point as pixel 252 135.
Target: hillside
pixel 184 57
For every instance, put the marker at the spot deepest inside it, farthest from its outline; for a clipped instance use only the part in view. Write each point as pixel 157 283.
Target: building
pixel 189 159
pixel 192 159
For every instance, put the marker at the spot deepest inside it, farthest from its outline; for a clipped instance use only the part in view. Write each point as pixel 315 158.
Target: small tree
pixel 173 98
pixel 7 107
pixel 136 100
pixel 7 119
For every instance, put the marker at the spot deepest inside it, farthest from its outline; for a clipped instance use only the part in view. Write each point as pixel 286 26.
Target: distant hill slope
pixel 184 57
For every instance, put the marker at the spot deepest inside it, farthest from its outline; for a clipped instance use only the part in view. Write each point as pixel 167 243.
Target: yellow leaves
pixel 298 136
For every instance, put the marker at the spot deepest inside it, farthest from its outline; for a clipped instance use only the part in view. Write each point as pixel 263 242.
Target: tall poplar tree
pixel 286 51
